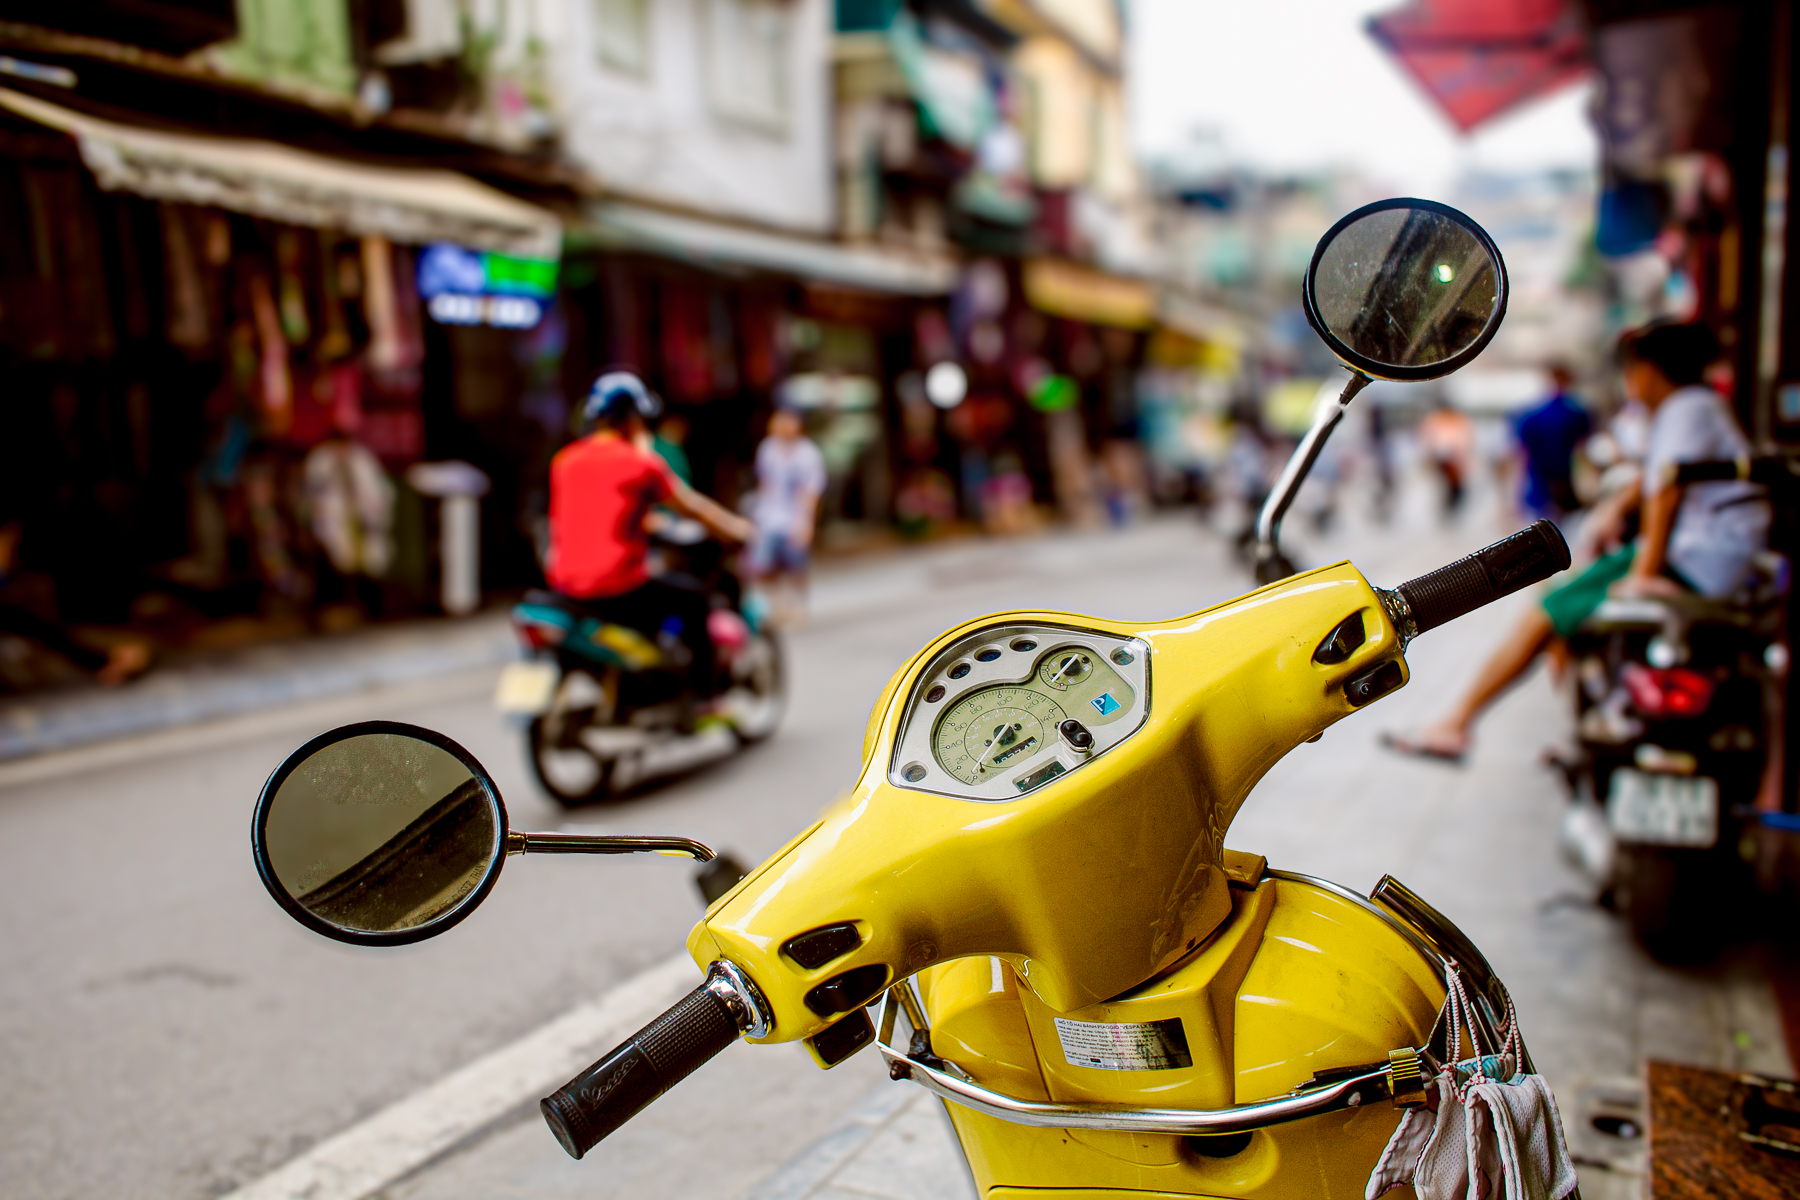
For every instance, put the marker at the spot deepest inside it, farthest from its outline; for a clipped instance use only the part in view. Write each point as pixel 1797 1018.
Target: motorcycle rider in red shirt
pixel 602 486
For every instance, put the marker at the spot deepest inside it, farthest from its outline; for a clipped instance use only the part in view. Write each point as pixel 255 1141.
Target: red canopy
pixel 1478 58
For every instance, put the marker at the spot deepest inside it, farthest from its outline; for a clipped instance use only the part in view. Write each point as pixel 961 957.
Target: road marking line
pixel 411 1132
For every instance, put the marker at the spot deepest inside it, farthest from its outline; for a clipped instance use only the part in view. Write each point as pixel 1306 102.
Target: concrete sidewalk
pixel 272 676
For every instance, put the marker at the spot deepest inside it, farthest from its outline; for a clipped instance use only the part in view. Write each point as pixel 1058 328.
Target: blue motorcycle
pixel 607 707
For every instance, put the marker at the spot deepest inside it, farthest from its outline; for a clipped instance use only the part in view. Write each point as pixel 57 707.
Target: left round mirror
pixel 1406 289
pixel 379 833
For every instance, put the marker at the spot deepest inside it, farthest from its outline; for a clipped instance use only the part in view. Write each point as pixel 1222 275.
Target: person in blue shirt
pixel 1548 435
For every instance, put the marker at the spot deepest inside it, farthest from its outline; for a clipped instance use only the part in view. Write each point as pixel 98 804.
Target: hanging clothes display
pixel 186 322
pixel 386 352
pixel 687 373
pixel 393 422
pixel 290 293
pixel 275 383
pixel 335 340
pixel 73 318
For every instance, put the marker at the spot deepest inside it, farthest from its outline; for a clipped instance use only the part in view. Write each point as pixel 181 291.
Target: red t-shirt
pixel 600 490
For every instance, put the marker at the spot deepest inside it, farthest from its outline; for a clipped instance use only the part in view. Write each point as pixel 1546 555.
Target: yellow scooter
pixel 1030 874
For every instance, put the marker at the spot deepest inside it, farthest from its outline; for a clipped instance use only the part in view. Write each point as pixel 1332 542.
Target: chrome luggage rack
pixel 1401 1079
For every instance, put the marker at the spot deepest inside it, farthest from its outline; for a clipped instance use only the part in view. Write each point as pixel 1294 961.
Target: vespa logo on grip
pixel 596 1094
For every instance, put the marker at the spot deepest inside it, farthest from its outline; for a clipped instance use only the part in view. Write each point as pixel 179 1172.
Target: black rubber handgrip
pixel 1534 553
pixel 655 1059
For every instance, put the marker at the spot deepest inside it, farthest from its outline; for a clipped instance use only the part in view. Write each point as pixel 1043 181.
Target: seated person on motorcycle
pixel 1696 538
pixel 602 487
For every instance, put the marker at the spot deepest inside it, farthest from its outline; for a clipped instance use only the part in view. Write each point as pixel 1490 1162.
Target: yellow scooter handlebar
pixel 1089 885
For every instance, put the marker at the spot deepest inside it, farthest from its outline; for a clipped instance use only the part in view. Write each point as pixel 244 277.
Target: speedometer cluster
pixel 1011 708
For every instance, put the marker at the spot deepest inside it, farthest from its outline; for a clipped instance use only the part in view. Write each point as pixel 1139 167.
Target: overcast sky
pixel 1298 84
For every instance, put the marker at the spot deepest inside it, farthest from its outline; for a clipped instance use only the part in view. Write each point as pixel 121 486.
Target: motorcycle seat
pixel 604 642
pixel 1623 614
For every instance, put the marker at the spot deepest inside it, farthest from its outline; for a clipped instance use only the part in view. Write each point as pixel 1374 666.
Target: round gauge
pixel 993 729
pixel 1062 668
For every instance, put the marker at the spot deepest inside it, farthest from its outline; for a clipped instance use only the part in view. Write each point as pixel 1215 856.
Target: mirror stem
pixel 1268 522
pixel 585 843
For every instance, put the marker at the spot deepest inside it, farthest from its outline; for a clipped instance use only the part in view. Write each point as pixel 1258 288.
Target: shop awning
pixel 1199 320
pixel 1066 289
pixel 712 244
pixel 1479 58
pixel 266 179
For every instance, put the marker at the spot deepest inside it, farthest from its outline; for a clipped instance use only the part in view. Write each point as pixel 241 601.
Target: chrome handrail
pixel 1375 1083
pixel 1400 1079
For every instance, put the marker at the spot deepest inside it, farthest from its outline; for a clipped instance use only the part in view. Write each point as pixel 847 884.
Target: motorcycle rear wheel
pixel 759 679
pixel 570 772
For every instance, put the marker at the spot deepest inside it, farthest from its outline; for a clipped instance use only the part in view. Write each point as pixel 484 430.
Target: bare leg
pixel 1450 735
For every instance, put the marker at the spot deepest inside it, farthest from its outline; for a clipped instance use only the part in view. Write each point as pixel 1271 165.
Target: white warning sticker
pixel 1151 1046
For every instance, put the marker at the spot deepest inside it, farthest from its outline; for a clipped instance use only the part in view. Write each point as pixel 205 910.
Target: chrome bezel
pixel 918 725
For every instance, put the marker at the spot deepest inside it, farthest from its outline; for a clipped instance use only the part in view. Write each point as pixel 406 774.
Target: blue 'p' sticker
pixel 1104 704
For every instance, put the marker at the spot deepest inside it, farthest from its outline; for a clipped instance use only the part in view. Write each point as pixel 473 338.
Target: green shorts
pixel 1572 603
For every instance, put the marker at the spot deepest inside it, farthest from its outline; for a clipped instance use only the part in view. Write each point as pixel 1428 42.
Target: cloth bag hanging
pixel 1496 1134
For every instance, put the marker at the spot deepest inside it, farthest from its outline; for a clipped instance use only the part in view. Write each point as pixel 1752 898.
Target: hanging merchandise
pixel 686 342
pixel 386 351
pixel 75 321
pixel 262 496
pixel 290 293
pixel 127 256
pixel 345 381
pixel 217 242
pixel 721 344
pixel 315 409
pixel 757 323
pixel 393 423
pixel 187 323
pixel 408 314
pixel 276 391
pixel 335 341
pixel 351 503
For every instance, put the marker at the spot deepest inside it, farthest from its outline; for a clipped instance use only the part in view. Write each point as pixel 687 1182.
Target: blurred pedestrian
pixel 790 478
pixel 670 443
pixel 1249 469
pixel 116 664
pixel 1548 434
pixel 1447 437
pixel 1381 460
pixel 1699 538
pixel 350 501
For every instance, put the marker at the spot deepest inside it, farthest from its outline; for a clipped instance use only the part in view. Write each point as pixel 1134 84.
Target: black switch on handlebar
pixel 1373 685
pixel 1342 642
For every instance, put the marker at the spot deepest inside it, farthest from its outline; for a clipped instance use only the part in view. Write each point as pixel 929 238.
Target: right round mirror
pixel 1406 289
pixel 379 833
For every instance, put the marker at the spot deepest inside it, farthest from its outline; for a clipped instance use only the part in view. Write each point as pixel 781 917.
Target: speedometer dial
pixel 994 729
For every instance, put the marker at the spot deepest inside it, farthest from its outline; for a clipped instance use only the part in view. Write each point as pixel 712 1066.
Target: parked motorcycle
pixel 1030 874
pixel 607 708
pixel 1674 703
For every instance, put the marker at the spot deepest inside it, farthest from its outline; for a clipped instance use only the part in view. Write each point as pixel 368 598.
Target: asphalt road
pixel 166 1032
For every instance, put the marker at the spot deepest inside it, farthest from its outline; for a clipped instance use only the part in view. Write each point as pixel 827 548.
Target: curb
pixel 262 678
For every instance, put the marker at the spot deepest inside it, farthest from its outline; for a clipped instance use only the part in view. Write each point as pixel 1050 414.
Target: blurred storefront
pixel 220 367
pixel 409 236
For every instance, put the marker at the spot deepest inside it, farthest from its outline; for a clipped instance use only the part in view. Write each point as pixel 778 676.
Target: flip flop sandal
pixel 1400 744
